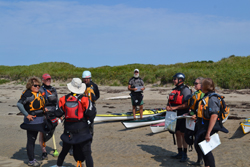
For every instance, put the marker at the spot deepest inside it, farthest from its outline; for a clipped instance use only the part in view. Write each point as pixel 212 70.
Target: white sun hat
pixel 76 86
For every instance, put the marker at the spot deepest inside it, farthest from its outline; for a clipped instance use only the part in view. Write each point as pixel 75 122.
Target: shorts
pixel 181 125
pixel 133 104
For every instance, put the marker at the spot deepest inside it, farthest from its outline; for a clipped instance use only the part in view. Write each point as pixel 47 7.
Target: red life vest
pixel 176 96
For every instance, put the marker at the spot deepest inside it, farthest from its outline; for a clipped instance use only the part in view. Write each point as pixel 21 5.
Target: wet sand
pixel 113 145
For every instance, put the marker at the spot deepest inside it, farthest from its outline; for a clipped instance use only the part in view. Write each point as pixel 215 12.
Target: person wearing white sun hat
pixel 78 111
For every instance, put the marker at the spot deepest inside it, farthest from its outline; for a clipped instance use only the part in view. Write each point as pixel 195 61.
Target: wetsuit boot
pixel 179 155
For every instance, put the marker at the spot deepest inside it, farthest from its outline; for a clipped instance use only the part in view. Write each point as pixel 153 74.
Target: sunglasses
pixel 36 86
pixel 175 78
pixel 195 83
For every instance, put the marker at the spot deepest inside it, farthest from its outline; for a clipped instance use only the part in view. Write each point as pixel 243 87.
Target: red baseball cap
pixel 46 76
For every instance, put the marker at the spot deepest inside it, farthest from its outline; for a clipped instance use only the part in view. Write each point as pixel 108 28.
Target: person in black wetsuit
pixel 32 104
pixel 136 86
pixel 92 90
pixel 208 112
pixel 51 100
pixel 76 127
pixel 176 102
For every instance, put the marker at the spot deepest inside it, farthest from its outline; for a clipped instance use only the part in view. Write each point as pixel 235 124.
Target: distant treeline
pixel 228 73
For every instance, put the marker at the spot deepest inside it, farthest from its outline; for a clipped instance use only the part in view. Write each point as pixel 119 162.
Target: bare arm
pixel 179 107
pixel 212 122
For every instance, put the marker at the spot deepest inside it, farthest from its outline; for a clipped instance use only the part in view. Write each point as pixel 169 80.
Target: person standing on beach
pixel 208 112
pixel 92 92
pixel 51 100
pixel 175 103
pixel 32 104
pixel 78 111
pixel 192 104
pixel 136 86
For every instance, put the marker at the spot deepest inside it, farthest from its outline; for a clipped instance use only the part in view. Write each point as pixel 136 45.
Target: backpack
pixel 222 114
pixel 189 137
pixel 74 111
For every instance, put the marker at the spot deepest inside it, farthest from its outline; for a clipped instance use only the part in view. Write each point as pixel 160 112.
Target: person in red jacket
pixel 79 113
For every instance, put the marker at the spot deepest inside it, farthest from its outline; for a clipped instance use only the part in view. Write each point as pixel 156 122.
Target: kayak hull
pixel 143 122
pixel 127 116
pixel 156 128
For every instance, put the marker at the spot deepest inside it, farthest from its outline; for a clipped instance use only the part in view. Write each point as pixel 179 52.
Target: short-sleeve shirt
pixel 135 82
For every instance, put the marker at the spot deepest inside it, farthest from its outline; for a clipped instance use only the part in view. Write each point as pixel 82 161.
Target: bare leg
pixel 134 107
pixel 41 142
pixel 141 111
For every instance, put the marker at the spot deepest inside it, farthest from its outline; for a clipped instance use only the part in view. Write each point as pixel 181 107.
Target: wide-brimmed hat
pixel 76 86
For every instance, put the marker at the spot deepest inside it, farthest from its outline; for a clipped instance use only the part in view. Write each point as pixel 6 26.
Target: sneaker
pixel 184 158
pixel 177 156
pixel 198 163
pixel 33 163
pixel 44 156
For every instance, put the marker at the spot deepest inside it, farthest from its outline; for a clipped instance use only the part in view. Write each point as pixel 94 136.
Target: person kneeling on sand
pixel 78 111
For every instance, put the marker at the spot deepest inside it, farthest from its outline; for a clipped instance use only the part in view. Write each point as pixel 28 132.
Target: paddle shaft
pixel 54 141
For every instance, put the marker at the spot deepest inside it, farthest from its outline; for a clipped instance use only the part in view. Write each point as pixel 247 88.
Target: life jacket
pixel 194 99
pixel 35 102
pixel 176 96
pixel 89 92
pixel 74 111
pixel 203 108
pixel 50 95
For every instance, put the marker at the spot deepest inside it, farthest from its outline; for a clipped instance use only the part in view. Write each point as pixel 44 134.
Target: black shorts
pixel 181 125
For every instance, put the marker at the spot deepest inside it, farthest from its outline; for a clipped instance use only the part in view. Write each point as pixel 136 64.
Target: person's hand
pixel 46 110
pixel 143 88
pixel 30 117
pixel 135 89
pixel 193 117
pixel 207 137
pixel 168 108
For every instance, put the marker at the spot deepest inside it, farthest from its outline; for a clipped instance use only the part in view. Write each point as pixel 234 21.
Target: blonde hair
pixel 208 85
pixel 31 81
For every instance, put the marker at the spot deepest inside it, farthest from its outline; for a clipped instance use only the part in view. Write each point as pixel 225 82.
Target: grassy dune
pixel 228 73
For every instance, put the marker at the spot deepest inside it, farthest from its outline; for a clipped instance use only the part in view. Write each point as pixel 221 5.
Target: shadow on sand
pixel 22 155
pixel 163 156
pixel 238 134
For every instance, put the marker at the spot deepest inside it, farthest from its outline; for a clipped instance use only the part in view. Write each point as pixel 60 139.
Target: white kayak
pixel 156 128
pixel 128 115
pixel 144 121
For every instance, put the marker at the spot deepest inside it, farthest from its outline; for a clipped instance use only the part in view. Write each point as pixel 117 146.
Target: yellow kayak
pixel 245 125
pixel 128 115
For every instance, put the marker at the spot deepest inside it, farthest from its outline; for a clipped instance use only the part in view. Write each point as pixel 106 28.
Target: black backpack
pixel 189 138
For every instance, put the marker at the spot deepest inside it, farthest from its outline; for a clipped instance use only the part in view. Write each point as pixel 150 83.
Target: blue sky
pixel 93 33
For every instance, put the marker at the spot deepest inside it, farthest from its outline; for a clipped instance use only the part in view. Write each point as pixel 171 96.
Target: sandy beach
pixel 115 146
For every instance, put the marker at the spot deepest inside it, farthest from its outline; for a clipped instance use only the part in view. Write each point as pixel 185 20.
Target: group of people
pixel 41 109
pixel 204 106
pixel 39 104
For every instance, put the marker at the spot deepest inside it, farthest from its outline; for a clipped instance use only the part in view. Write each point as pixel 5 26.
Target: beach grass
pixel 228 73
